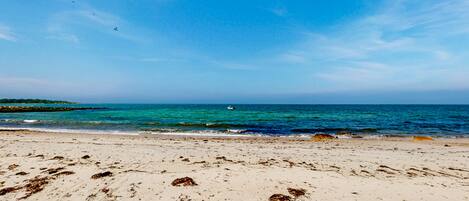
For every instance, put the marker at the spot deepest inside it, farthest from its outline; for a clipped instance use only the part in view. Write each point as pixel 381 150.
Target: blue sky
pixel 181 51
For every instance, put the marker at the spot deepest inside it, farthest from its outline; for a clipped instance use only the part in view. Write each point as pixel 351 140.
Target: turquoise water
pixel 444 120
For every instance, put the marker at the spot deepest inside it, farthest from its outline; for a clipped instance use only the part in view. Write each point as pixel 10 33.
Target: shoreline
pixel 77 166
pixel 305 136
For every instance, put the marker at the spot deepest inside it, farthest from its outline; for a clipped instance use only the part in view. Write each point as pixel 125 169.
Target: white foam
pixel 75 131
pixel 203 134
pixel 30 121
pixel 117 132
pixel 235 130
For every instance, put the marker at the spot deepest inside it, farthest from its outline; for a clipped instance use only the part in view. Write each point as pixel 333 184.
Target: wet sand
pixel 64 166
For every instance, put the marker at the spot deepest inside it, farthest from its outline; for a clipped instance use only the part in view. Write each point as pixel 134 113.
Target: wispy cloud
pixel 405 45
pixel 6 33
pixel 100 17
pixel 64 37
pixel 279 11
pixel 66 25
pixel 160 59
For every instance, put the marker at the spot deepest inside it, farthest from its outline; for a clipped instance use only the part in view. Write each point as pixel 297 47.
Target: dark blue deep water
pixel 440 120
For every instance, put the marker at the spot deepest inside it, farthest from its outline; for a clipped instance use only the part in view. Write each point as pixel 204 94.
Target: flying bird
pixel 116 29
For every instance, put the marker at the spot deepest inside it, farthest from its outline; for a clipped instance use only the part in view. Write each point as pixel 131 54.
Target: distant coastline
pixel 8 100
pixel 18 109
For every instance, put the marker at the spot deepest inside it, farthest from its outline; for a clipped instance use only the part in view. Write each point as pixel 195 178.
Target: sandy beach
pixel 63 166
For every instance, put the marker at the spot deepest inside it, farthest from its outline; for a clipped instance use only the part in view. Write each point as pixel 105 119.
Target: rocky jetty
pixel 8 100
pixel 17 109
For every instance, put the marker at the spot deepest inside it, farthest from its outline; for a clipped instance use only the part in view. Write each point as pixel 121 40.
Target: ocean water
pixel 436 120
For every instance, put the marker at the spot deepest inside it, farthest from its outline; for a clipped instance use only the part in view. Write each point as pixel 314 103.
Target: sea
pixel 256 119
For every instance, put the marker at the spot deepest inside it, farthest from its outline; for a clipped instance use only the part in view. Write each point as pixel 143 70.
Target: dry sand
pixel 60 166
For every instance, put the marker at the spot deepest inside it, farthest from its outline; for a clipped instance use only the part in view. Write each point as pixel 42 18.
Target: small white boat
pixel 230 108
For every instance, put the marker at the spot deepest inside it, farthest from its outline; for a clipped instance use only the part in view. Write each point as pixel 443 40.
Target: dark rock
pixel 319 137
pixel 185 181
pixel 280 197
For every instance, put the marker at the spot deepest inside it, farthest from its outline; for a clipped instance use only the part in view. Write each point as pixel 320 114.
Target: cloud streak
pixel 6 34
pixel 65 25
pixel 403 46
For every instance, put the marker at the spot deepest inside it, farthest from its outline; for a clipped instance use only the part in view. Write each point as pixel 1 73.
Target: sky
pixel 245 51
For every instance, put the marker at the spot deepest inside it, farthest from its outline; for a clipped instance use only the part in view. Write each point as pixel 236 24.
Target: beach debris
pixel 57 158
pixel 53 170
pixel 105 190
pixel 102 174
pixel 35 185
pixel 186 160
pixel 320 137
pixel 220 158
pixel 6 190
pixel 280 197
pixel 290 163
pixel 185 181
pixel 64 173
pixel 356 136
pixel 385 171
pixel 458 169
pixel 343 133
pixel 422 138
pixel 108 193
pixel 21 173
pixel 227 160
pixel 12 166
pixel 132 190
pixel 85 157
pixel 387 167
pixel 296 192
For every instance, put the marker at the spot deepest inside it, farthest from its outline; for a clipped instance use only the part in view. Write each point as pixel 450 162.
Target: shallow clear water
pixel 445 120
